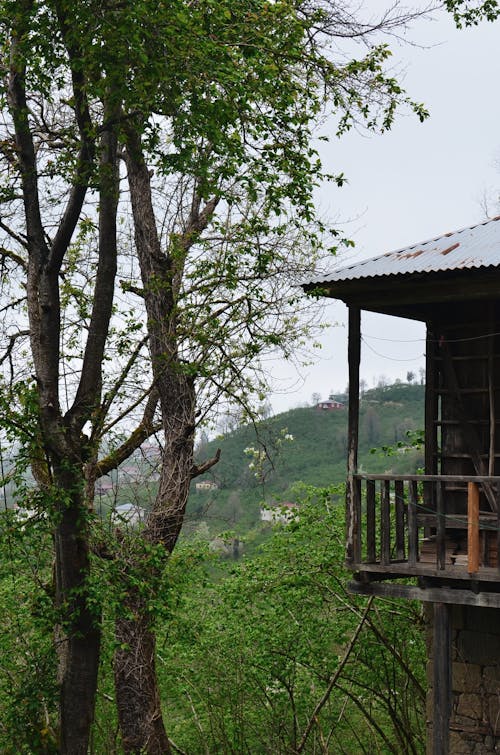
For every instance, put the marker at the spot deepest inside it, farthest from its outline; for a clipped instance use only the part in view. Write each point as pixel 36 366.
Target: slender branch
pixel 198 469
pixel 142 432
pixel 113 392
pixel 12 340
pixel 334 678
pixel 9 254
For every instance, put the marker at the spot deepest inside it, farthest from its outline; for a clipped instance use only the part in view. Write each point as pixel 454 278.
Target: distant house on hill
pixel 206 485
pixel 284 512
pixel 330 405
pixel 128 514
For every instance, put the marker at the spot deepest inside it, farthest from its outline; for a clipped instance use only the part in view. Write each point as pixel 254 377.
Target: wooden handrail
pixel 427 477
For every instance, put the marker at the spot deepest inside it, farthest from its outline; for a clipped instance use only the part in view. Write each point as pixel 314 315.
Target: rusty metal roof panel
pixel 470 248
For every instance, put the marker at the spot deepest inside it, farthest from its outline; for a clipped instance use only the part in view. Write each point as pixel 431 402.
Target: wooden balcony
pixel 402 526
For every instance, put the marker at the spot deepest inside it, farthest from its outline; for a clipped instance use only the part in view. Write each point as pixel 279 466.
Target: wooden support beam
pixel 353 523
pixel 441 679
pixel 472 528
pixel 448 595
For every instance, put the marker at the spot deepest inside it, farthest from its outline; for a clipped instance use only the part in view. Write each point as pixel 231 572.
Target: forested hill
pixel 308 445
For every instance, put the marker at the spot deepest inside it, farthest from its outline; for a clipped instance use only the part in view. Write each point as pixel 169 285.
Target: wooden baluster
pixel 412 524
pixel 357 521
pixel 472 528
pixel 400 519
pixel 440 528
pixel 371 555
pixel 385 555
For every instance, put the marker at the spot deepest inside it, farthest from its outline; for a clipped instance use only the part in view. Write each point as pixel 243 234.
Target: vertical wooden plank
pixel 431 415
pixel 412 524
pixel 498 528
pixel 357 541
pixel 385 500
pixel 371 555
pixel 441 679
pixel 353 353
pixel 400 519
pixel 472 528
pixel 440 528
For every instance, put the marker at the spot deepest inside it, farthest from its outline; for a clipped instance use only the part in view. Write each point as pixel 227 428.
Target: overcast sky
pixel 416 182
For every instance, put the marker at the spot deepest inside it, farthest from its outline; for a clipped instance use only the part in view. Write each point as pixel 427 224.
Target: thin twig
pixel 334 678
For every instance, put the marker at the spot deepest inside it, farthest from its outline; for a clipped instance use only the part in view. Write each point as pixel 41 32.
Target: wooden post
pixel 353 522
pixel 442 679
pixel 491 390
pixel 431 416
pixel 473 528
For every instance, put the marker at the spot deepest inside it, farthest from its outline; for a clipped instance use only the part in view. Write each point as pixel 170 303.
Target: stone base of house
pixel 475 712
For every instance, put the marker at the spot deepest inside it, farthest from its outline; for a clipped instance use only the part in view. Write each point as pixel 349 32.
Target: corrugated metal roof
pixel 470 248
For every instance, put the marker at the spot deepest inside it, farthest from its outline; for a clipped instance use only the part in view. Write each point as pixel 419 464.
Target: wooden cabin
pixel 435 537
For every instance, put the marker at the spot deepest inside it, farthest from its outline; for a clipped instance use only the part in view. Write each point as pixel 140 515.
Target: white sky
pixel 411 184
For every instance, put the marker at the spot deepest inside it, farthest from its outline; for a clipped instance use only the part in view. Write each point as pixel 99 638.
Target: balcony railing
pixel 406 526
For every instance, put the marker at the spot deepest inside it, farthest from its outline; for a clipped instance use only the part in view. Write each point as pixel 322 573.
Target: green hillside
pixel 316 455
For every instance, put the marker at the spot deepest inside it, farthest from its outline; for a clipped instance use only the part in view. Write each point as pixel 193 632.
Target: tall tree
pixel 212 106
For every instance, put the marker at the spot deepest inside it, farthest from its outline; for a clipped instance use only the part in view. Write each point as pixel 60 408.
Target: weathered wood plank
pixel 440 528
pixel 400 519
pixel 472 528
pixel 448 595
pixel 385 517
pixel 357 540
pixel 430 477
pixel 498 529
pixel 412 524
pixel 452 572
pixel 441 678
pixel 371 554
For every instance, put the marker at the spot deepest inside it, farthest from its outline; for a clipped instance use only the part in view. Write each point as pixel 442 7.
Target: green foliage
pixel 245 662
pixel 28 693
pixel 471 12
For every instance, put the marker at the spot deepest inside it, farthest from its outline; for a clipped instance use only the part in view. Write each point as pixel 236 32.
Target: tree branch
pixel 198 469
pixel 86 154
pixel 142 432
pixel 89 387
pixel 334 679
